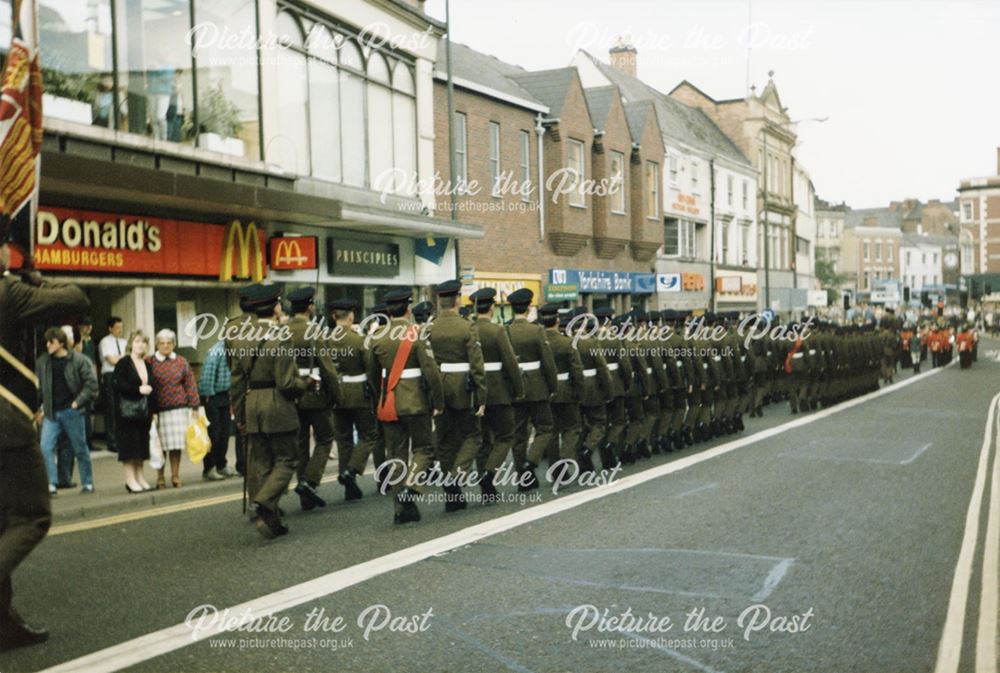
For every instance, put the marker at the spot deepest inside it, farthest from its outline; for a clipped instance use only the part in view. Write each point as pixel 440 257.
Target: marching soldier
pixel 797 369
pixel 504 384
pixel 407 380
pixel 354 412
pixel 25 512
pixel 657 405
pixel 377 319
pixel 681 375
pixel 236 344
pixel 539 369
pixel 639 391
pixel 272 422
pixel 569 379
pixel 595 394
pixel 620 369
pixel 315 407
pixel 423 312
pixel 455 342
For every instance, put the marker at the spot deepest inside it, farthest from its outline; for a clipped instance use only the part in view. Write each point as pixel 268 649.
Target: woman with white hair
pixel 176 402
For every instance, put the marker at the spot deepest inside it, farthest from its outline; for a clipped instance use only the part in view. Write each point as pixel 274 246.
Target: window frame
pixel 652 189
pixel 580 173
pixel 461 153
pixel 618 202
pixel 526 186
pixel 493 158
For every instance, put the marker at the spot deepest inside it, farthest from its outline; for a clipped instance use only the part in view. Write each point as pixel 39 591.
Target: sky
pixel 910 87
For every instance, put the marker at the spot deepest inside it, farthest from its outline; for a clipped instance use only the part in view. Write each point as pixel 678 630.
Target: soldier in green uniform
pixel 656 406
pixel 315 407
pixel 504 384
pixel 25 512
pixel 539 370
pixel 797 366
pixel 455 342
pixel 353 412
pixel 620 369
pixel 639 390
pixel 238 340
pixel 596 393
pixel 422 312
pixel 679 361
pixel 377 319
pixel 407 382
pixel 569 380
pixel 273 386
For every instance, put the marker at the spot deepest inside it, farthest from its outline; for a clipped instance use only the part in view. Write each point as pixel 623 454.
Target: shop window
pixel 227 114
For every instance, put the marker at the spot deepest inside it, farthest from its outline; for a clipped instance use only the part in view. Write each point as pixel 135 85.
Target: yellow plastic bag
pixel 196 439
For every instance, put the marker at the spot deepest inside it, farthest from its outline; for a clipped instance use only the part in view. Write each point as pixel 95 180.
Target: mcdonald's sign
pixel 289 253
pixel 250 262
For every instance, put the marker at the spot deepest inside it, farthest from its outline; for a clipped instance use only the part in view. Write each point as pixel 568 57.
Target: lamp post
pixel 767 241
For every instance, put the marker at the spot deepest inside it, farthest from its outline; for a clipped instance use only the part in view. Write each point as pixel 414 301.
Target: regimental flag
pixel 21 130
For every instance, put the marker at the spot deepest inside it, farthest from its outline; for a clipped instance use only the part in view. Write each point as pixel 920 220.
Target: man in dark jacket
pixel 24 500
pixel 69 385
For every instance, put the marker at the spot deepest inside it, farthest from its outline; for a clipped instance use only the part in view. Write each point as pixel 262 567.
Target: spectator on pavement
pixel 111 350
pixel 68 386
pixel 176 402
pixel 133 381
pixel 213 386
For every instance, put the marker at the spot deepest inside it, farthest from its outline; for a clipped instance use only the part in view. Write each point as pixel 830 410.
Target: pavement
pixel 822 542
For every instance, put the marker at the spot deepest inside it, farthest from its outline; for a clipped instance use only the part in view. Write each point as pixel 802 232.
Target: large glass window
pixel 379 121
pixel 354 163
pixel 576 169
pixel 324 105
pixel 617 182
pixel 289 148
pixel 461 155
pixel 404 129
pixel 494 158
pixel 671 236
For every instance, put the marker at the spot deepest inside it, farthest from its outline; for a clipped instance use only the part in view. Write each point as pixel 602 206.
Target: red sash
pixel 791 354
pixel 387 406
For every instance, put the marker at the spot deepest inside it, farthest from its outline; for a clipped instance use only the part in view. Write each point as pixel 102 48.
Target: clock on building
pixel 951 260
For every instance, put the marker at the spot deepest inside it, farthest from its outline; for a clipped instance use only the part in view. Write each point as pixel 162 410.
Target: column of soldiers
pixel 442 394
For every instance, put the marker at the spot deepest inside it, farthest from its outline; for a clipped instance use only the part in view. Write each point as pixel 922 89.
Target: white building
pixel 804 197
pixel 921 258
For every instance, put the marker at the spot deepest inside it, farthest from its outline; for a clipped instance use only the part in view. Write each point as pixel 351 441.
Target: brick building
pixel 870 248
pixel 979 215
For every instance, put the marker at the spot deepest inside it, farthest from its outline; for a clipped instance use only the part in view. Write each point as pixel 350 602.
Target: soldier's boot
pixel 688 435
pixel 269 524
pixel 654 444
pixel 410 512
pixel 585 461
pixel 728 425
pixel 714 428
pixel 700 432
pixel 608 458
pixel 663 443
pixel 454 498
pixel 527 481
pixel 348 478
pixel 489 490
pixel 308 497
pixel 14 632
pixel 627 455
pixel 739 422
pixel 642 449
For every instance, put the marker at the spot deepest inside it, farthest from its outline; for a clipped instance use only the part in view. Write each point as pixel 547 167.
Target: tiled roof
pixel 548 86
pixel 483 69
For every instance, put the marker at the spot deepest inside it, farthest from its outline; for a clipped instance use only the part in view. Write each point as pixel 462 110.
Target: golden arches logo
pixel 249 251
pixel 289 253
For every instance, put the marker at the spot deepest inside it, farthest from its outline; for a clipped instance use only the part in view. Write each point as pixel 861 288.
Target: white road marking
pixel 917 454
pixel 798 453
pixel 696 489
pixel 772 579
pixel 950 647
pixel 986 634
pixel 164 641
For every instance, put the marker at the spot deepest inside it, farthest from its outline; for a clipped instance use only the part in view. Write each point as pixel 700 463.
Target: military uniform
pixel 455 342
pixel 569 379
pixel 595 394
pixel 354 411
pixel 25 512
pixel 539 370
pixel 237 342
pixel 315 407
pixel 679 362
pixel 620 370
pixel 406 403
pixel 639 391
pixel 504 384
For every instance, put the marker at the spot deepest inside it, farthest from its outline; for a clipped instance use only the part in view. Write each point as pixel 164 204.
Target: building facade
pixel 979 216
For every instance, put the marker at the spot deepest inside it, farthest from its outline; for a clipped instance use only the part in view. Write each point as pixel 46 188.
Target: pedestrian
pixel 25 511
pixel 176 401
pixel 134 389
pixel 111 349
pixel 65 460
pixel 214 383
pixel 407 383
pixel 68 385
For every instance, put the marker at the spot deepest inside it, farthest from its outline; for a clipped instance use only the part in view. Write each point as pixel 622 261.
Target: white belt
pixel 530 366
pixel 743 358
pixel 564 376
pixel 305 371
pixel 413 373
pixel 612 366
pixel 717 358
pixel 705 365
pixel 769 352
pixel 680 364
pixel 797 356
pixel 354 378
pixel 812 351
pixel 589 372
pixel 454 367
pixel 649 370
pixel 492 366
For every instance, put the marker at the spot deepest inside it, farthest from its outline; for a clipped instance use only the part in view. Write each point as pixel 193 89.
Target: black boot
pixel 269 524
pixel 688 436
pixel 308 497
pixel 739 422
pixel 584 460
pixel 608 458
pixel 700 432
pixel 14 632
pixel 655 442
pixel 628 457
pixel 490 494
pixel 351 489
pixel 527 481
pixel 454 500
pixel 663 443
pixel 409 512
pixel 642 449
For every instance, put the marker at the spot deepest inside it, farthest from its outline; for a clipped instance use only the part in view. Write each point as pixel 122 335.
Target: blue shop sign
pixel 605 282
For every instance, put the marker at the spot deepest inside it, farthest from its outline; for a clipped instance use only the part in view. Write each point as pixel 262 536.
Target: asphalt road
pixel 845 528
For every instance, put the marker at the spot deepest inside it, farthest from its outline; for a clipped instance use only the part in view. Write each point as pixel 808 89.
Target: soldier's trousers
pixel 498 436
pixel 595 427
pixel 459 439
pixel 651 411
pixel 538 414
pixel 409 442
pixel 378 450
pixel 679 410
pixel 316 423
pixel 797 384
pixel 616 422
pixel 636 419
pixel 567 424
pixel 24 510
pixel 274 459
pixel 351 456
pixel 709 398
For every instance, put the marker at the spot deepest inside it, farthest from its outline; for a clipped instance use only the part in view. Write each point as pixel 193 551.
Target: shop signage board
pixel 561 292
pixel 291 253
pixel 353 257
pixel 604 282
pixel 668 282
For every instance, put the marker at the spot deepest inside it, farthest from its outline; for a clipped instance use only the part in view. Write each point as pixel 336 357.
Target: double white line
pixel 950 648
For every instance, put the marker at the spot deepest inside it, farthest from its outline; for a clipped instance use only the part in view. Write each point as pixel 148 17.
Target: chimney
pixel 623 57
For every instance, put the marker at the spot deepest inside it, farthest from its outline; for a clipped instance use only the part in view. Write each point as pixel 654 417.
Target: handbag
pixel 134 410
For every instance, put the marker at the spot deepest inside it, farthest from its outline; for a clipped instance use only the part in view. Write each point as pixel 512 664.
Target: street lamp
pixel 767 242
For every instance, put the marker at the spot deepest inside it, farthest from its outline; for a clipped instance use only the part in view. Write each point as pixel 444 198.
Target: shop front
pixel 504 283
pixel 681 286
pixel 736 291
pixel 621 290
